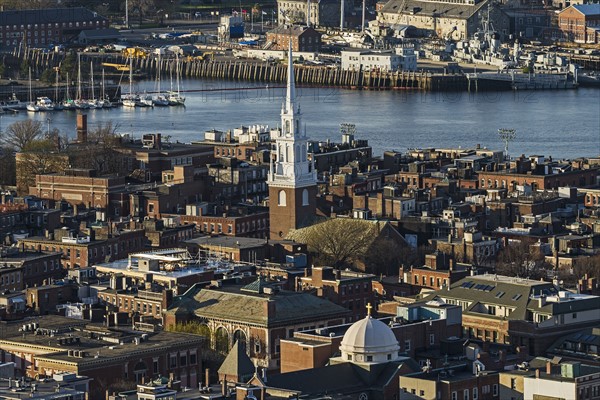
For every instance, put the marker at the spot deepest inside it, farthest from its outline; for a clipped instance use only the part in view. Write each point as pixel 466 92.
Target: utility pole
pixel 126 14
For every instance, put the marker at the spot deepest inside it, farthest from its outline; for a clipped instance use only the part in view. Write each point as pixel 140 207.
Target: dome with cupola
pixel 369 341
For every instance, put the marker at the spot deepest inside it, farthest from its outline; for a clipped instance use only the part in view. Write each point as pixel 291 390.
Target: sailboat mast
pixel 130 76
pixel 92 78
pixel 158 75
pixel 177 72
pixel 30 93
pixel 78 76
pixel 56 87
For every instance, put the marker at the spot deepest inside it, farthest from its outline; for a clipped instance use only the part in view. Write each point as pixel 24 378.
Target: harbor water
pixel 563 123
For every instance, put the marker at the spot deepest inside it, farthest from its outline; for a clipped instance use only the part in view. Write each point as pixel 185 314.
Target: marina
pixel 421 119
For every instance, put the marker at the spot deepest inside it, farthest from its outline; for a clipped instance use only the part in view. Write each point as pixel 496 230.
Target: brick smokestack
pixel 82 128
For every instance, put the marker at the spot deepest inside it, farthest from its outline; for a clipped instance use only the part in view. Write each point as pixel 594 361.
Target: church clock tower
pixel 292 176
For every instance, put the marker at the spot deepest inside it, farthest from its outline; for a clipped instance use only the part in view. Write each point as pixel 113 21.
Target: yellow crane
pixel 118 67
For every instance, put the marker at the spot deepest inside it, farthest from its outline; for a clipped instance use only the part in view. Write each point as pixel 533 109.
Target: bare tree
pixel 37 158
pixel 20 134
pixel 521 259
pixel 7 166
pixel 100 152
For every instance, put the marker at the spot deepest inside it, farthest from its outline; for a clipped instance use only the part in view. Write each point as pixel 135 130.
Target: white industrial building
pixel 401 58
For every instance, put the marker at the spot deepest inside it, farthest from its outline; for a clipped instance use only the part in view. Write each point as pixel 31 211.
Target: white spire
pixel 291 85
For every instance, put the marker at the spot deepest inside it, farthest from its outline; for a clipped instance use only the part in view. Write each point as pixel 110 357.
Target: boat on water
pixel 159 99
pixel 106 103
pixel 135 100
pixel 174 96
pixel 31 106
pixel 13 104
pixel 146 101
pixel 68 103
pixel 44 104
pixel 57 104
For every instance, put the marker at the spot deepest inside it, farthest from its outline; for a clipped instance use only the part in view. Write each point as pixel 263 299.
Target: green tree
pixel 24 69
pixel 48 76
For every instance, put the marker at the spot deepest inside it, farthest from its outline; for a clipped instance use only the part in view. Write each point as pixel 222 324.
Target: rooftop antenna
pixel 507 136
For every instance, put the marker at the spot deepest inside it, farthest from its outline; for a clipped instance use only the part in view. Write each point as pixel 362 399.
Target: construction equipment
pixel 134 52
pixel 118 67
pixel 206 56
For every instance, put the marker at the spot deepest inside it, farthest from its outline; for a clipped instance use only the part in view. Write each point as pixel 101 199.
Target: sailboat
pixel 79 102
pixel 105 100
pixel 31 105
pixel 175 98
pixel 129 99
pixel 68 103
pixel 93 101
pixel 57 104
pixel 160 99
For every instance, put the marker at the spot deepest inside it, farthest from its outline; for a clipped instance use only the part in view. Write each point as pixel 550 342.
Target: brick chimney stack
pixel 82 128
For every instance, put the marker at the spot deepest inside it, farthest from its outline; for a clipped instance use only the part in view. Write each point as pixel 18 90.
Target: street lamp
pixel 507 136
pixel 48 121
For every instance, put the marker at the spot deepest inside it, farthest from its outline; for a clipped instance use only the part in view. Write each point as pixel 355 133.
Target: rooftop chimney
pixel 82 128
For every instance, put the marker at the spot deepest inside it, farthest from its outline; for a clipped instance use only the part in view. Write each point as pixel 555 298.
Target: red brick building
pixel 106 355
pixel 581 23
pixel 43 299
pixel 83 189
pixel 258 315
pixel 40 28
pixel 83 251
pixel 538 181
pixel 143 302
pixel 351 290
pixel 414 333
pixel 303 38
pixel 22 269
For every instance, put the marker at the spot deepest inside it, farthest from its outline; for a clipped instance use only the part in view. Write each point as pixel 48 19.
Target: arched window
pixel 305 197
pixel 281 198
pixel 221 340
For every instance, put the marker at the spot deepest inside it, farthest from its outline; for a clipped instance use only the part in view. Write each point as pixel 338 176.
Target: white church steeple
pixel 291 166
pixel 290 116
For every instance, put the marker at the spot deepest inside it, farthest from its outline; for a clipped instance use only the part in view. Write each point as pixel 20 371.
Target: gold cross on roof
pixel 369 306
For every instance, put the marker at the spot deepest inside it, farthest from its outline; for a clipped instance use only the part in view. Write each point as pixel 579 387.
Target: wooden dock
pixel 258 71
